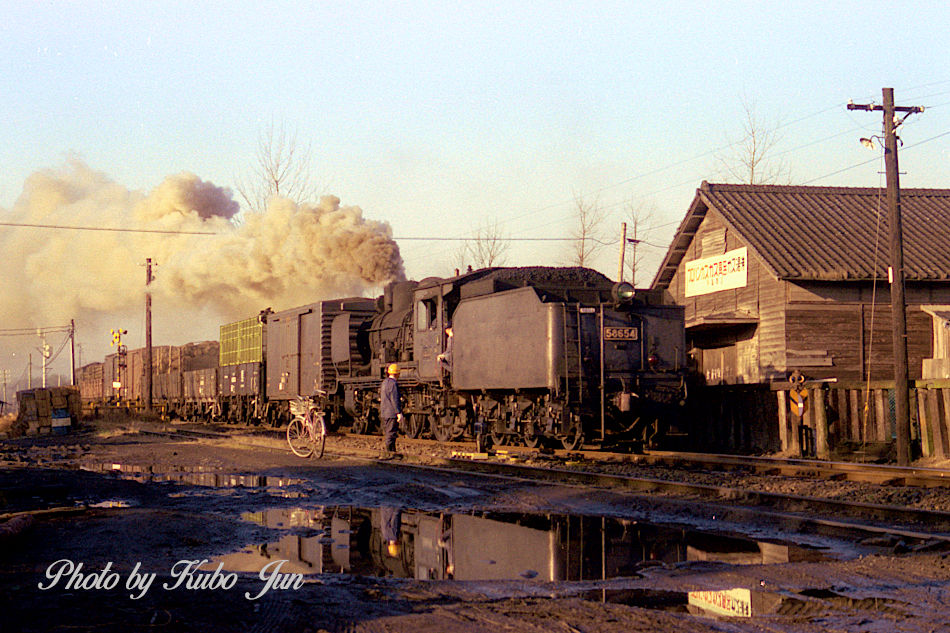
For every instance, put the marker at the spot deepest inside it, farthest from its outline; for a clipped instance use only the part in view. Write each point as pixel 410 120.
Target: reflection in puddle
pixel 113 503
pixel 489 546
pixel 196 476
pixel 741 602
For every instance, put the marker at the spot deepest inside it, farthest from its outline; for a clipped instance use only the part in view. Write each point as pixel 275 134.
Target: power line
pixel 32 331
pixel 469 239
pixel 105 229
pixel 875 159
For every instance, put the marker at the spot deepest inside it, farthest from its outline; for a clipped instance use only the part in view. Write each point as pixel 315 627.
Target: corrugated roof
pixel 824 233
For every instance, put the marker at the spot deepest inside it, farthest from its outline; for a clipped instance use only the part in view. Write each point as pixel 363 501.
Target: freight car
pixel 540 355
pixel 268 360
pixel 185 380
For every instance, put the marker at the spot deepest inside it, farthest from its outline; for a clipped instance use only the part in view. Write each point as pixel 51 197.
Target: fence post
pixel 855 414
pixel 926 441
pixel 882 427
pixel 784 436
pixel 821 424
pixel 941 426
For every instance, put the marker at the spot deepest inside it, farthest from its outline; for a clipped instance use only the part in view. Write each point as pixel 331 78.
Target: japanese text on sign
pixel 728 602
pixel 722 272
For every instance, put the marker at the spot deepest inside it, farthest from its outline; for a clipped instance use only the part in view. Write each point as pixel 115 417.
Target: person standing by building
pixel 390 411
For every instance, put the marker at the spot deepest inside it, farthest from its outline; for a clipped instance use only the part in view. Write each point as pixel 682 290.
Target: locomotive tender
pixel 540 355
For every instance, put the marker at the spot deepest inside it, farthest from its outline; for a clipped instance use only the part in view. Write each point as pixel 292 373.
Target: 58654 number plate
pixel 621 333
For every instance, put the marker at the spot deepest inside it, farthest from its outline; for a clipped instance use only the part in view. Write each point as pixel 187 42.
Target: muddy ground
pixel 110 497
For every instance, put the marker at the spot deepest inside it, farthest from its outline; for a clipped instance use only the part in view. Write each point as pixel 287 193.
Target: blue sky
pixel 437 117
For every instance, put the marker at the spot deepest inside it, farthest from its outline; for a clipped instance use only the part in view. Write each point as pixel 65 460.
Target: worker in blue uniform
pixel 390 411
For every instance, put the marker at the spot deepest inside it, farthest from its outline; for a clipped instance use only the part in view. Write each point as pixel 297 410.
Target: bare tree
pixel 752 158
pixel 587 234
pixel 281 168
pixel 488 247
pixel 639 219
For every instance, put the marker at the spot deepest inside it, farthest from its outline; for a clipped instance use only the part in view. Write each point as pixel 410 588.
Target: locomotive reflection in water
pixel 539 355
pixel 437 546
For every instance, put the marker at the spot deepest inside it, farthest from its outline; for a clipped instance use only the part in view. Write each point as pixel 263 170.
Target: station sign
pixel 736 603
pixel 722 272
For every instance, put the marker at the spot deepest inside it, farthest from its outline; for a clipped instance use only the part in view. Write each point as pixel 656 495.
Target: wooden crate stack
pixel 50 410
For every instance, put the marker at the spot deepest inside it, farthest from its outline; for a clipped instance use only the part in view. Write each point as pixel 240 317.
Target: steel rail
pixel 886 474
pixel 881 474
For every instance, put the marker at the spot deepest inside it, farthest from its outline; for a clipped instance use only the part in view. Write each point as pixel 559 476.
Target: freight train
pixel 538 355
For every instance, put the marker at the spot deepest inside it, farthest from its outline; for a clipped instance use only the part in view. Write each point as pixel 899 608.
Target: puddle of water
pixel 490 546
pixel 113 503
pixel 197 476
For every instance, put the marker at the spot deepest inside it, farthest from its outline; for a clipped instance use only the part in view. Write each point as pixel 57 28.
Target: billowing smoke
pixel 294 253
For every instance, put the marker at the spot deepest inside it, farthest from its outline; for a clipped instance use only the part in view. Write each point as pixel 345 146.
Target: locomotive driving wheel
pixel 499 435
pixel 416 424
pixel 447 428
pixel 574 439
pixel 531 436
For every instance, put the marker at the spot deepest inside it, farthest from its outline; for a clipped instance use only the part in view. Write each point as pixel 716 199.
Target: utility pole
pixel 898 304
pixel 148 335
pixel 72 352
pixel 623 251
pixel 46 352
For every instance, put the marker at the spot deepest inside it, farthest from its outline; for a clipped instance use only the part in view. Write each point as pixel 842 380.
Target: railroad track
pixel 879 474
pixel 883 474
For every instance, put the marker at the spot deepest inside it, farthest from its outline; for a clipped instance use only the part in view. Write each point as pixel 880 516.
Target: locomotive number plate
pixel 621 333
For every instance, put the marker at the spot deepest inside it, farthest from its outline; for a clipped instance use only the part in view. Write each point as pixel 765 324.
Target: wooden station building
pixel 779 278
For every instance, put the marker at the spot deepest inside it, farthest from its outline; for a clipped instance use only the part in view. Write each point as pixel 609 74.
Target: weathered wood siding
pixel 771 330
pixel 758 350
pixel 838 334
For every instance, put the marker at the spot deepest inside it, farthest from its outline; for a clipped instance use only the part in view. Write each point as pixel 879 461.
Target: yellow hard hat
pixel 393 370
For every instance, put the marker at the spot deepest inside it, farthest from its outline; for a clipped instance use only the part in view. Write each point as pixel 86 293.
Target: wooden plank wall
pixel 844 418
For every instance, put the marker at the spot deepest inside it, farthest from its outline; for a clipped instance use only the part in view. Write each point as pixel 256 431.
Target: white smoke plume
pixel 294 253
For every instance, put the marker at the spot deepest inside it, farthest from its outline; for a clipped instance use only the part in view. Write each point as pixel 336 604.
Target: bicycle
pixel 307 431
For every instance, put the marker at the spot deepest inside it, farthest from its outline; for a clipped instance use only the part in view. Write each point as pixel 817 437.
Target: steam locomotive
pixel 540 355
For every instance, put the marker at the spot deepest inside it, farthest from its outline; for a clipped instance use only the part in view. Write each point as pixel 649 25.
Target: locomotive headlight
pixel 622 292
pixel 653 360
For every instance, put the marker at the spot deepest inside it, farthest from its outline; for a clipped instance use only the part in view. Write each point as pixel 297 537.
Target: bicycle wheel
pixel 319 435
pixel 297 438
